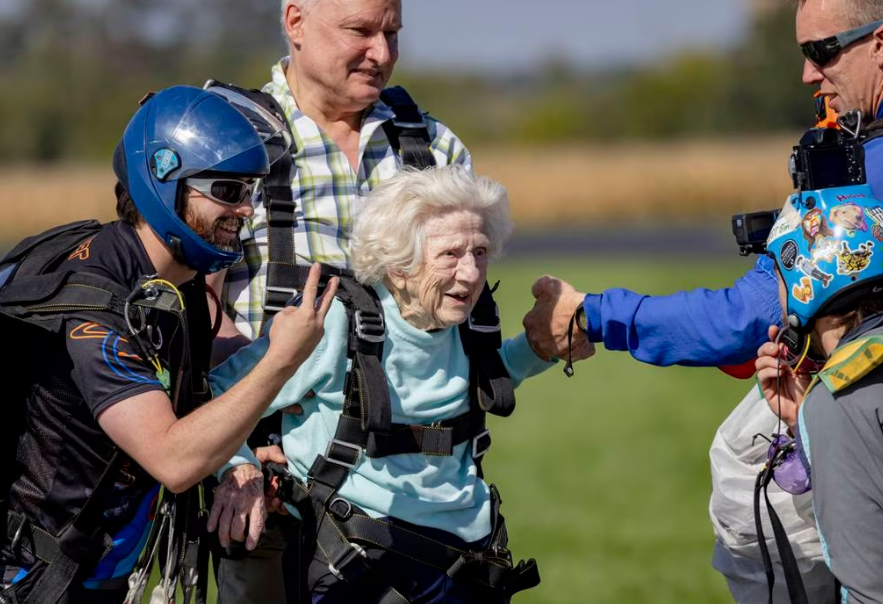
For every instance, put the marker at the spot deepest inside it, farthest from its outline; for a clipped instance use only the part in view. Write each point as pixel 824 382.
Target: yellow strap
pixel 851 362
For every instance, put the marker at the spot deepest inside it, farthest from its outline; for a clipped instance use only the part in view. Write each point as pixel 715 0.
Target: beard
pixel 208 229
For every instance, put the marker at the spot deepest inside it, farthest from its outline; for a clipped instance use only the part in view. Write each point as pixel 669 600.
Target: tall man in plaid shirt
pixel 341 56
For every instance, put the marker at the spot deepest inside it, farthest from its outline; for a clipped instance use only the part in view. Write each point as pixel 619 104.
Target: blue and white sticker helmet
pixel 178 133
pixel 825 243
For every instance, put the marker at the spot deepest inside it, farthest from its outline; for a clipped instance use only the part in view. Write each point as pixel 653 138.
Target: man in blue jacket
pixel 842 41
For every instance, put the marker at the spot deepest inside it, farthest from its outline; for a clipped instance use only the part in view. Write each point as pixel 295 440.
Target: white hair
pixel 388 233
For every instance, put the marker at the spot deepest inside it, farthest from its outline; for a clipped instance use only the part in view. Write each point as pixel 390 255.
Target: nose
pixel 811 73
pixel 468 270
pixel 383 48
pixel 245 208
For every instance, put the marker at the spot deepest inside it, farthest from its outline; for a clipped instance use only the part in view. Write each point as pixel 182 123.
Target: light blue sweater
pixel 428 378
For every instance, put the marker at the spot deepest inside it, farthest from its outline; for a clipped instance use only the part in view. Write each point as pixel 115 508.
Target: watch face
pixel 581 320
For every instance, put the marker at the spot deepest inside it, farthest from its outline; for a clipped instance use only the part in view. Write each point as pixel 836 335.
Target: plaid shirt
pixel 328 194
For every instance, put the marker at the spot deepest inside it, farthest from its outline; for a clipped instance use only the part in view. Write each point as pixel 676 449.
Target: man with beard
pixel 341 57
pixel 842 42
pixel 101 429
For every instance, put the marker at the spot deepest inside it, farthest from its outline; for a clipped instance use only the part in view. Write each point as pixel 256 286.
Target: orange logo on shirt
pixel 82 252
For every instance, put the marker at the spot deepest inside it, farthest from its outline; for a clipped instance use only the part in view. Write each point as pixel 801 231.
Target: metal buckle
pixel 367 324
pixel 420 124
pixel 356 550
pixel 476 453
pixel 347 511
pixel 345 445
pixel 485 328
pixel 18 534
pixel 282 290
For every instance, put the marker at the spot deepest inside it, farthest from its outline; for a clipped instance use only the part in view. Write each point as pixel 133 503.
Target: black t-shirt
pixel 83 371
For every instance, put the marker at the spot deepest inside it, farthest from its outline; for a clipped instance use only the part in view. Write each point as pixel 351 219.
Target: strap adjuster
pixel 370 326
pixel 481 444
pixel 354 553
pixel 489 328
pixel 410 125
pixel 290 292
pixel 345 445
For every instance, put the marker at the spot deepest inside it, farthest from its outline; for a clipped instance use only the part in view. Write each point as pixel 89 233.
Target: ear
pixel 877 47
pixel 292 22
pixel 396 278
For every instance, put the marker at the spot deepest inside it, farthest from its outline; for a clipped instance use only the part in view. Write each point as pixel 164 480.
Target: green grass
pixel 605 476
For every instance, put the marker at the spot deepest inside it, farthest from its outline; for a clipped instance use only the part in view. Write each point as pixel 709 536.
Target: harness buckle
pixel 344 514
pixel 370 326
pixel 342 462
pixel 275 289
pixel 481 443
pixel 484 328
pixel 410 125
pixel 354 553
pixel 18 534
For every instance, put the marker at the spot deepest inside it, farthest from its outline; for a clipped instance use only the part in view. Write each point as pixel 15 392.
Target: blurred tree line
pixel 72 72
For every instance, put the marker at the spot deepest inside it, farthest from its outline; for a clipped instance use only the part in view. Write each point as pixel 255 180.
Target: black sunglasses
pixel 821 52
pixel 224 190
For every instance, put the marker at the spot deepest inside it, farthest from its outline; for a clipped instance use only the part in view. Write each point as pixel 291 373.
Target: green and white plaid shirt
pixel 328 194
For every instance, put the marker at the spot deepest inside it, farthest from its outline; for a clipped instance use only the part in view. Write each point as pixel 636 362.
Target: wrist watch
pixel 581 321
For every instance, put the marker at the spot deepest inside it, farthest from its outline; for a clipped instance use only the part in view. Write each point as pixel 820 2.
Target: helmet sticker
pixel 802 292
pixel 164 162
pixel 808 268
pixel 788 221
pixel 788 255
pixel 876 214
pixel 850 217
pixel 851 262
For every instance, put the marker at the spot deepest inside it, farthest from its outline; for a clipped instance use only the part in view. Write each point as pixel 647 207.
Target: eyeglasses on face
pixel 223 190
pixel 821 52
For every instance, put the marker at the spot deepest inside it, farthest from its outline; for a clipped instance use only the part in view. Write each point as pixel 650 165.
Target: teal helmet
pixel 824 243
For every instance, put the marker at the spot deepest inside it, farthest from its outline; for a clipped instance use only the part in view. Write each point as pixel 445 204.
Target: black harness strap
pixel 407 132
pixel 80 544
pixel 796 590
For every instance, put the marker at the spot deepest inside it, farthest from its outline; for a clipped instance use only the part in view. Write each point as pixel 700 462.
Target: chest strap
pixel 407 132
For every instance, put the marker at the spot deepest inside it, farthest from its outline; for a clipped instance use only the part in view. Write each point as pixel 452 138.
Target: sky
pixel 511 35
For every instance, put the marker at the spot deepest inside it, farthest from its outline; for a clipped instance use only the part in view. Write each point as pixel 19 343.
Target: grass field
pixel 605 476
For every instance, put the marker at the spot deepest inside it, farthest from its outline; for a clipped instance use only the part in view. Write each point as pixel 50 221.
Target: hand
pixel 781 386
pixel 296 330
pixel 548 321
pixel 239 502
pixel 264 455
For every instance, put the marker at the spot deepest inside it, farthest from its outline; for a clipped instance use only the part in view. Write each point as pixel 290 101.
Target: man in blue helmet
pixel 842 41
pixel 837 415
pixel 105 420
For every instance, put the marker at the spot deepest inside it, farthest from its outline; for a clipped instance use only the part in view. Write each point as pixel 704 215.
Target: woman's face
pixel 445 287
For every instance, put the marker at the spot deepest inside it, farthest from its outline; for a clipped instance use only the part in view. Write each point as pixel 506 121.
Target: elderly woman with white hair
pixel 384 460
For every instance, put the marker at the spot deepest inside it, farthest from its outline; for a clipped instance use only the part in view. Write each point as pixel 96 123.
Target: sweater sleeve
pixel 696 328
pixel 520 360
pixel 320 367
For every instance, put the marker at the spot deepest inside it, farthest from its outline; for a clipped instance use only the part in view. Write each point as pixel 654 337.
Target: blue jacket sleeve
pixel 697 328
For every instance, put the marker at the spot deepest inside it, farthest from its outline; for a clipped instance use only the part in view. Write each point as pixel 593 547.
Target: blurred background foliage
pixel 73 70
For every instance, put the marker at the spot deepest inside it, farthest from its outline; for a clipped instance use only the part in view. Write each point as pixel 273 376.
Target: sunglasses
pixel 820 52
pixel 223 190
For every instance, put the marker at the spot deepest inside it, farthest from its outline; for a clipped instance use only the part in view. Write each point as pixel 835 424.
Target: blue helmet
pixel 177 133
pixel 823 243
